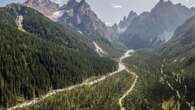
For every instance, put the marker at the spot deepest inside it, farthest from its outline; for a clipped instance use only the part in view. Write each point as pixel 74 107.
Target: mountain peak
pixel 163 3
pixel 84 4
pixel 163 6
pixel 132 13
pixel 71 2
pixel 44 6
pixel 83 1
pixel 157 26
pixel 38 2
pixel 123 24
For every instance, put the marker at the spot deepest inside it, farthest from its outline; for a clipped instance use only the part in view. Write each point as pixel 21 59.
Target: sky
pixel 112 11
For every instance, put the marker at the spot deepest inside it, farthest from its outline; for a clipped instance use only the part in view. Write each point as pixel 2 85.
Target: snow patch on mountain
pixel 165 36
pixel 60 2
pixel 80 32
pixel 19 23
pixel 56 15
pixel 121 30
pixel 162 38
pixel 99 50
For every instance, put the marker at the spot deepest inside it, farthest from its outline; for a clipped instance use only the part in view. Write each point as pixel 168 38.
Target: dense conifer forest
pixel 101 96
pixel 47 56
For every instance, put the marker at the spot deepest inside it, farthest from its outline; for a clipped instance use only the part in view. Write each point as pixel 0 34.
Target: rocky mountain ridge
pixel 78 15
pixel 46 7
pixel 150 29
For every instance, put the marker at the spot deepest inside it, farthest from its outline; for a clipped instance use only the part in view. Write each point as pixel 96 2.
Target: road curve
pixel 121 67
pixel 129 90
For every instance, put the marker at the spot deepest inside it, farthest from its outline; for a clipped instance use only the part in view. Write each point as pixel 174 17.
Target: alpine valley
pixel 64 57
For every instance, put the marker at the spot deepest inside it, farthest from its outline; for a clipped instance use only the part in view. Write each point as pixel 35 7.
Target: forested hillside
pixel 45 65
pixel 162 84
pixel 101 96
pixel 47 56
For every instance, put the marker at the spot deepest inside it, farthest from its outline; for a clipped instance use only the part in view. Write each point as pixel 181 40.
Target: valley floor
pixel 114 85
pixel 102 96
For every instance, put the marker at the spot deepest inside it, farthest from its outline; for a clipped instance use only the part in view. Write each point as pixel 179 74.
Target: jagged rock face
pixel 182 42
pixel 123 24
pixel 150 29
pixel 76 14
pixel 185 33
pixel 46 7
pixel 80 16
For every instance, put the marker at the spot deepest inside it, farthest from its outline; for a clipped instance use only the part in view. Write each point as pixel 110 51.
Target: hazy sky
pixel 111 11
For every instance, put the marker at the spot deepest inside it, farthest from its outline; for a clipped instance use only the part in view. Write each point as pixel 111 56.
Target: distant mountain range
pixel 150 29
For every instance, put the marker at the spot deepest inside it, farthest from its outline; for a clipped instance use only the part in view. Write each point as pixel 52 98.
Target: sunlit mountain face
pixel 97 55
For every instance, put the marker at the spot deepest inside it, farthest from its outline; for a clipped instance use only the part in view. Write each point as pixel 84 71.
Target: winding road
pixel 128 91
pixel 121 67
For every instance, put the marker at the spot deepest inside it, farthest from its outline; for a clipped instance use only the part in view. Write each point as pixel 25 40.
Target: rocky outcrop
pixel 46 7
pixel 123 24
pixel 78 15
pixel 150 29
